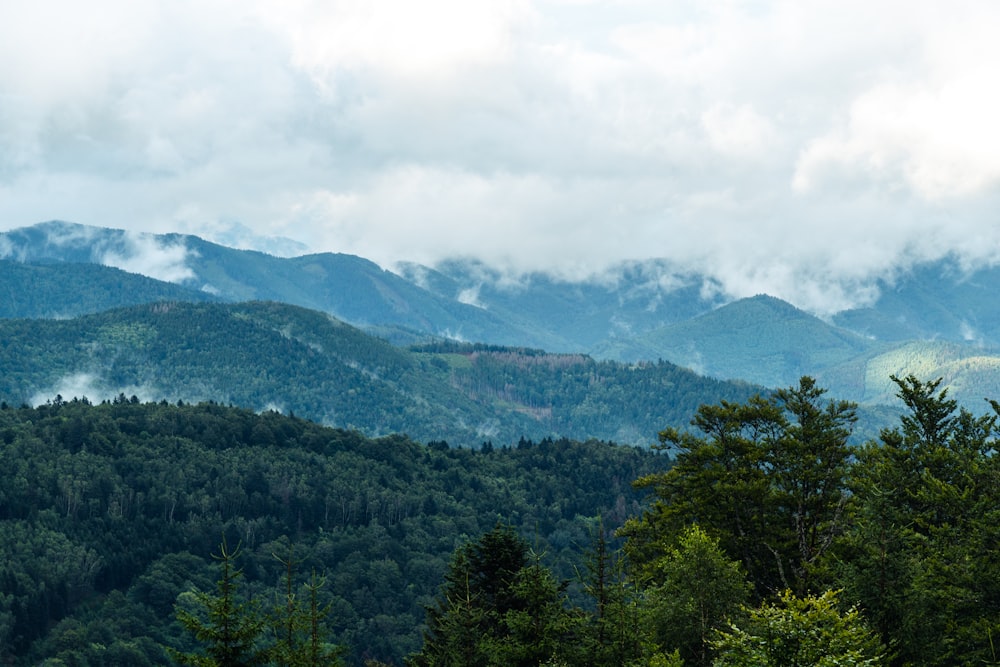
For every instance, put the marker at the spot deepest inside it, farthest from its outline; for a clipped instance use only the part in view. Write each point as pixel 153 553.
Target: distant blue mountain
pixel 637 311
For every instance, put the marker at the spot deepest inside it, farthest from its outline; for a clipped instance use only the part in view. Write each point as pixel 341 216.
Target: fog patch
pixel 93 388
pixel 453 335
pixel 146 255
pixel 969 334
pixel 470 297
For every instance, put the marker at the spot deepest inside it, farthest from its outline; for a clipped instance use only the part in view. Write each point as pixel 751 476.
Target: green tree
pixel 230 629
pixel 695 591
pixel 808 475
pixel 799 632
pixel 298 621
pixel 920 557
pixel 540 630
pixel 766 478
pixel 612 635
pixel 477 593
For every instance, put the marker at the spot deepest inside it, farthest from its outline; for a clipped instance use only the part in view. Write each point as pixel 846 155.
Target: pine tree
pixel 612 636
pixel 920 557
pixel 298 625
pixel 230 629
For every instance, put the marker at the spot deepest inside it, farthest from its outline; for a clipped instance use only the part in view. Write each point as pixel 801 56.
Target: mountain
pixel 762 339
pixel 67 289
pixel 276 356
pixel 637 311
pixel 970 372
pixel 350 288
pixel 631 299
pixel 934 301
pixel 463 300
pixel 769 342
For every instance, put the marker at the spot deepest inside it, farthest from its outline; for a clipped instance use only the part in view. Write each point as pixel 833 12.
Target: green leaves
pixel 799 632
pixel 694 591
pixel 766 478
pixel 920 555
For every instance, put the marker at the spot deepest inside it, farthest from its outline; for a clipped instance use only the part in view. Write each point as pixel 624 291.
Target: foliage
pixel 921 553
pixel 906 528
pixel 612 633
pixel 267 355
pixel 230 629
pixel 120 500
pixel 499 606
pixel 766 478
pixel 799 632
pixel 694 591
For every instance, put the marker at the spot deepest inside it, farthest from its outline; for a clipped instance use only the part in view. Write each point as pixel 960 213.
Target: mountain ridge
pixel 647 311
pixel 273 356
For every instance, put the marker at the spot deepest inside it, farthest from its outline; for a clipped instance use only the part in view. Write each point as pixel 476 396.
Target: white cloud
pixel 470 296
pixel 738 132
pixel 793 147
pixel 144 254
pixel 941 141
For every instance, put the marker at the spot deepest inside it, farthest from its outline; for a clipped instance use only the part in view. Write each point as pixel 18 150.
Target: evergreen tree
pixel 540 631
pixel 298 625
pixel 766 478
pixel 612 635
pixel 920 557
pixel 477 594
pixel 231 630
pixel 808 471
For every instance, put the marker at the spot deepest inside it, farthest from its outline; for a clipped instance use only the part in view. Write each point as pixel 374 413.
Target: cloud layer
pixel 797 148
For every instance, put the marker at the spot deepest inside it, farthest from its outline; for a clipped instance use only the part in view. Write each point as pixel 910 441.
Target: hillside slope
pixel 265 355
pixel 69 289
pixel 761 339
pixel 350 288
pixel 109 515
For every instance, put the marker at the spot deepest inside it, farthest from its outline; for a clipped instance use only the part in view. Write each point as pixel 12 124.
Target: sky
pixel 799 148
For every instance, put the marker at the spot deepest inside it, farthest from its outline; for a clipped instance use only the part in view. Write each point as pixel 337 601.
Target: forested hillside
pixel 768 540
pixel 67 290
pixel 268 355
pixel 109 512
pixel 348 287
pixel 934 320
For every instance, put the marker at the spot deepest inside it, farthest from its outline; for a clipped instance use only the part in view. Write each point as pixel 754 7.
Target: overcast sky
pixel 791 147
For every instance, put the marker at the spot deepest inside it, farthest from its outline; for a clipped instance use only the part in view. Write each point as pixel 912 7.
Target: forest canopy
pixel 764 538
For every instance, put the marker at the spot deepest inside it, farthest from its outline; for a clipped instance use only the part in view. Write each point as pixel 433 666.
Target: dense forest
pixel 768 542
pixel 276 356
pixel 144 533
pixel 110 514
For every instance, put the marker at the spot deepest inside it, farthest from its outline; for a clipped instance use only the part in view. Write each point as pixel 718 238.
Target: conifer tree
pixel 230 629
pixel 499 606
pixel 920 557
pixel 767 478
pixel 298 624
pixel 612 635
